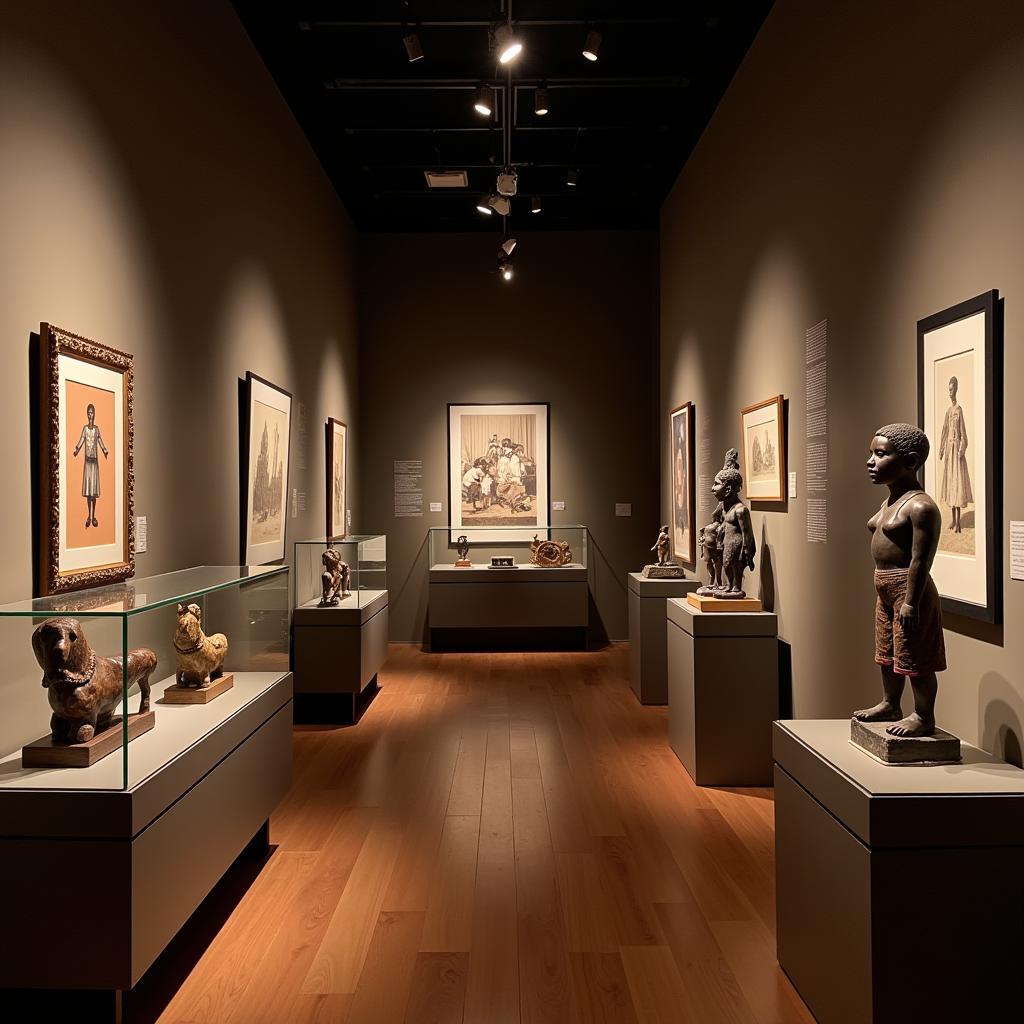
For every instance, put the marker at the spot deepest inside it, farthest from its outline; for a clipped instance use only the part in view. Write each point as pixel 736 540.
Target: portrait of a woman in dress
pixel 956 479
pixel 92 441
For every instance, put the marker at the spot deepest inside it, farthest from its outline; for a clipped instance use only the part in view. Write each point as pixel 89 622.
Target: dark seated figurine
pixel 336 579
pixel 83 688
pixel 908 614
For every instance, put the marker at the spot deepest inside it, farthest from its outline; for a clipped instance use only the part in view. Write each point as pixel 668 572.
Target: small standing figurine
pixel 462 546
pixel 711 552
pixel 200 657
pixel 336 579
pixel 738 544
pixel 661 545
pixel 908 614
pixel 665 567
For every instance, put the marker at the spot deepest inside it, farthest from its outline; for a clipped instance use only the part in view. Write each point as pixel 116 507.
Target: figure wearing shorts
pixel 915 651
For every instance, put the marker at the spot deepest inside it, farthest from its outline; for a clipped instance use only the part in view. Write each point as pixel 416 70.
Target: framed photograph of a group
pixel 683 459
pixel 337 467
pixel 959 370
pixel 87 527
pixel 265 463
pixel 498 469
pixel 762 429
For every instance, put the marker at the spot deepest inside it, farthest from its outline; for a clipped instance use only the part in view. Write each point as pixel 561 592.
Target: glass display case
pixel 90 725
pixel 509 548
pixel 365 555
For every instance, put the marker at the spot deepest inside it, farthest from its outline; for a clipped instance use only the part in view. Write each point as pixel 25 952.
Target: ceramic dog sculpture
pixel 336 579
pixel 84 689
pixel 200 657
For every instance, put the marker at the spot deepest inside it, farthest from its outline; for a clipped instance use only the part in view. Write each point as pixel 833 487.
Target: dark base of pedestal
pixel 525 638
pixel 333 708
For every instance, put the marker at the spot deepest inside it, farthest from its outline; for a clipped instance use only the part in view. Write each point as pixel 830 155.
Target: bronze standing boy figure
pixel 908 615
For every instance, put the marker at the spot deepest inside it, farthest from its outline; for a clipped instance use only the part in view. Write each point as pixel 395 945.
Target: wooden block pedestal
pixel 46 753
pixel 199 694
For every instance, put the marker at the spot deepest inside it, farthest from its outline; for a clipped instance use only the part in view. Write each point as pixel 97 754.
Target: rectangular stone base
pixel 198 694
pixel 45 753
pixel 939 748
pixel 718 604
pixel 463 563
pixel 663 572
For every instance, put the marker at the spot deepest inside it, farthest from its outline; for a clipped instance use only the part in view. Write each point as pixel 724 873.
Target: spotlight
pixel 505 44
pixel 505 269
pixel 540 101
pixel 508 246
pixel 413 47
pixel 482 101
pixel 501 205
pixel 508 183
pixel 570 177
pixel 592 45
pixel 535 207
pixel 483 204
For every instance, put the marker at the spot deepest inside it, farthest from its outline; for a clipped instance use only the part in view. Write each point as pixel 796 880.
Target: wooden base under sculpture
pixel 463 563
pixel 707 603
pixel 940 748
pixel 198 694
pixel 671 571
pixel 46 753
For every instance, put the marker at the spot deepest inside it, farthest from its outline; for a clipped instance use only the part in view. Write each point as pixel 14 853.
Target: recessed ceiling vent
pixel 446 179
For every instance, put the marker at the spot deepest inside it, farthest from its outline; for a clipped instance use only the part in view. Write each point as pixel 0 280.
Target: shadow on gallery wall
pixel 767 573
pixel 1000 728
pixel 597 631
pixel 785 679
pixel 986 632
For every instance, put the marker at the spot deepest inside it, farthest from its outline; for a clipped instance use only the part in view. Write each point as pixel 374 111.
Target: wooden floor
pixel 502 837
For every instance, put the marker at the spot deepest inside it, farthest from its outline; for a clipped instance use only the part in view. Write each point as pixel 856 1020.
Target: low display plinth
pixel 899 892
pixel 198 694
pixel 336 655
pixel 723 694
pixel 663 572
pixel 463 563
pixel 648 633
pixel 46 752
pixel 706 603
pixel 940 748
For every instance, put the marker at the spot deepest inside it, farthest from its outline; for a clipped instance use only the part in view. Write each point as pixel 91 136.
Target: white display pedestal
pixel 336 655
pixel 648 634
pixel 480 602
pixel 900 888
pixel 723 693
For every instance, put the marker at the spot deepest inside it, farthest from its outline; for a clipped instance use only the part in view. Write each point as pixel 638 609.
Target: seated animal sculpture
pixel 200 657
pixel 336 579
pixel 83 688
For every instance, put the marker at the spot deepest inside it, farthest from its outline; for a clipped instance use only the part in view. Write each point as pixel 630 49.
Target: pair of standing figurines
pixel 727 543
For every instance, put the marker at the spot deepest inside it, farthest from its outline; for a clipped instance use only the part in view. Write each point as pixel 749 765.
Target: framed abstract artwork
pixel 87 527
pixel 683 459
pixel 337 467
pixel 959 370
pixel 498 472
pixel 762 431
pixel 265 463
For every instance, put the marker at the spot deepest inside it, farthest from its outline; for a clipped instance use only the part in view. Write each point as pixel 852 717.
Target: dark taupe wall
pixel 865 166
pixel 157 195
pixel 577 329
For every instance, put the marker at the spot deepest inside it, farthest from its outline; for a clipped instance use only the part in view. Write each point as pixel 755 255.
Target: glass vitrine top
pixel 352 538
pixel 145 593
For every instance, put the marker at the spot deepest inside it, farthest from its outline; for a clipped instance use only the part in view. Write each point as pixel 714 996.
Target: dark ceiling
pixel 626 123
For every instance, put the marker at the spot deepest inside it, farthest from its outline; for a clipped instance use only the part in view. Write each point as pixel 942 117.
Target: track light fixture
pixel 571 177
pixel 535 206
pixel 413 46
pixel 508 246
pixel 506 45
pixel 482 102
pixel 501 205
pixel 592 45
pixel 508 182
pixel 483 204
pixel 505 268
pixel 540 100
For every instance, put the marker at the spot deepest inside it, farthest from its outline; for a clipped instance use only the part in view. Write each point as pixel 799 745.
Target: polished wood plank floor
pixel 502 838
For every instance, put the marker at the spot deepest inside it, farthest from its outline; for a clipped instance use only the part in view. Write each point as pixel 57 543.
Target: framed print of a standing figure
pixel 337 467
pixel 959 357
pixel 87 535
pixel 682 455
pixel 266 467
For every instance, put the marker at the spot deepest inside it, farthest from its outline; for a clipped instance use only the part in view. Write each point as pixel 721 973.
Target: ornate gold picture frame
pixel 86 473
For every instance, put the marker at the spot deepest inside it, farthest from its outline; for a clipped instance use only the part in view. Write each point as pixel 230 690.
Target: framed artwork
pixel 764 450
pixel 959 366
pixel 87 509
pixel 265 460
pixel 683 458
pixel 337 467
pixel 498 472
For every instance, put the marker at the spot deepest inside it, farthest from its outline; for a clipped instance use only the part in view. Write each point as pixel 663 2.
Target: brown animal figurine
pixel 84 689
pixel 336 579
pixel 200 657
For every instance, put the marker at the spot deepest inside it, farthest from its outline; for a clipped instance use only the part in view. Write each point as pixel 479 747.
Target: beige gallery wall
pixel 157 195
pixel 576 328
pixel 864 167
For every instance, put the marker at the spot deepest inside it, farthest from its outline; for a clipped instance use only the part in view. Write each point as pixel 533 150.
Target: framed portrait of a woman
pixel 959 357
pixel 682 458
pixel 86 477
